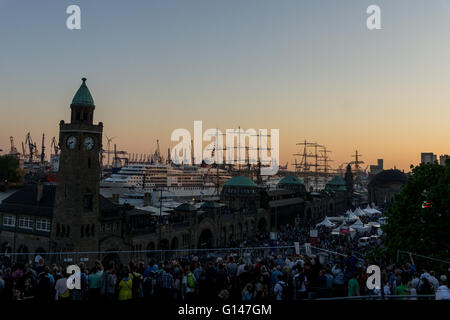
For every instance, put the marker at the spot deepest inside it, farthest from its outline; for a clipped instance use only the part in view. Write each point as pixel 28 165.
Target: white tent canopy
pixel 371 211
pixel 360 227
pixel 358 224
pixel 358 212
pixel 337 219
pixel 375 210
pixel 326 223
pixel 351 215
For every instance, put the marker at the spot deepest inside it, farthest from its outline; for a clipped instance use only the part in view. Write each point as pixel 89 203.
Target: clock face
pixel 89 143
pixel 71 142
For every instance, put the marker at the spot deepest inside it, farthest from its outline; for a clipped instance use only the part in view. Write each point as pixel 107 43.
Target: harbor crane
pixel 31 147
pixel 43 149
pixel 54 147
pixel 108 139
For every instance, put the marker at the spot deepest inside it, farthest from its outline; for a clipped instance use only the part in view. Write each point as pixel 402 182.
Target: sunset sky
pixel 309 68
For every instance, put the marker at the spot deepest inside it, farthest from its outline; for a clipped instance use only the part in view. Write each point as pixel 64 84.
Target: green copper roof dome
pixel 83 96
pixel 240 181
pixel 337 181
pixel 336 184
pixel 291 180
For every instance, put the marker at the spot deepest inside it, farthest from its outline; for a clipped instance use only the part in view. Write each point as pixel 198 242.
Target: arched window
pixel 93 230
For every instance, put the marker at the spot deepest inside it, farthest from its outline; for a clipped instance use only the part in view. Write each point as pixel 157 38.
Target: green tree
pixel 10 169
pixel 413 228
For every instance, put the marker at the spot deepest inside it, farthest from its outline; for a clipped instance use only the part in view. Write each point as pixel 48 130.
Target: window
pixel 87 202
pixel 25 223
pixel 9 221
pixel 43 225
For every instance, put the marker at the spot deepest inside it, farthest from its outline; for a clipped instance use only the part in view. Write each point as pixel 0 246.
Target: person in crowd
pixel 353 286
pixel 94 281
pixel 300 283
pixel 411 290
pixel 108 283
pixel 28 290
pixel 338 283
pixel 279 287
pixel 401 290
pixel 247 292
pixel 125 287
pixel 62 291
pixel 443 291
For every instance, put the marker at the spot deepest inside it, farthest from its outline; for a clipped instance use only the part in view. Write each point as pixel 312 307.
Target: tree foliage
pixel 416 229
pixel 10 169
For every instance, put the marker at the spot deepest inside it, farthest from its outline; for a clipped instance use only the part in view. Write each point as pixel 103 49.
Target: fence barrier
pixel 247 253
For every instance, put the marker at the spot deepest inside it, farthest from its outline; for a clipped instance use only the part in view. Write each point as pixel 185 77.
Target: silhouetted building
pixel 443 158
pixel 385 185
pixel 427 157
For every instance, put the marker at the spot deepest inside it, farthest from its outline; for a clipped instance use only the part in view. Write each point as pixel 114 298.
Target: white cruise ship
pixel 175 182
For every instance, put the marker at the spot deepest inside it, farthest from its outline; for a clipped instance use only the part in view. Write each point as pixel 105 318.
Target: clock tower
pixel 75 223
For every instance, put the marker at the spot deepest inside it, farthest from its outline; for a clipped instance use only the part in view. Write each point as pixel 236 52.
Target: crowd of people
pixel 261 275
pixel 220 279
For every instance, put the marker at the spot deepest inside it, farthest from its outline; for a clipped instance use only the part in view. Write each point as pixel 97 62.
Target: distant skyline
pixel 309 68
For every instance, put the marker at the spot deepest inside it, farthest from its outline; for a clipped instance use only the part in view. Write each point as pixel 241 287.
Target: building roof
pixel 186 207
pixel 210 205
pixel 240 181
pixel 28 196
pixel 285 202
pixel 83 96
pixel 24 201
pixel 337 181
pixel 389 176
pixel 291 180
pixel 280 192
pixel 336 184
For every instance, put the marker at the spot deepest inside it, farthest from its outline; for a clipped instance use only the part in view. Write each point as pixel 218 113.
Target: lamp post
pixel 160 222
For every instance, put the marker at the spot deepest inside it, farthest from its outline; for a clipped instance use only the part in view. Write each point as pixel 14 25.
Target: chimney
pixel 40 190
pixel 147 199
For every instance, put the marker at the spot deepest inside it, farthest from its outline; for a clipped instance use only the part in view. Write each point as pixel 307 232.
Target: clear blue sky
pixel 309 68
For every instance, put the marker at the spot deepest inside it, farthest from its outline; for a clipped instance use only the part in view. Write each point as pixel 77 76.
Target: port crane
pixel 31 147
pixel 43 149
pixel 54 147
pixel 108 139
